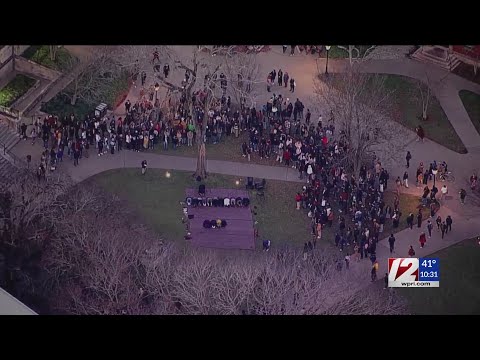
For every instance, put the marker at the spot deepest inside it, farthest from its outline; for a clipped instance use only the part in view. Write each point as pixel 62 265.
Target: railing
pixel 9 111
pixel 18 162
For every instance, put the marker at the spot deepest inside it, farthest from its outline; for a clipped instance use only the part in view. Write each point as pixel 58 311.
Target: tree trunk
pixel 201 160
pixel 53 52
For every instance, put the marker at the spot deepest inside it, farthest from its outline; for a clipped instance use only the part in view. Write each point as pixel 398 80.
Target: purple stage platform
pixel 238 234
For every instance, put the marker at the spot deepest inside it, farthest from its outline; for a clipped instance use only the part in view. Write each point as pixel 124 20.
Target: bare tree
pixel 91 79
pixel 277 283
pixel 53 50
pixel 95 256
pixel 27 204
pixel 423 92
pixel 243 71
pixel 354 52
pixel 362 107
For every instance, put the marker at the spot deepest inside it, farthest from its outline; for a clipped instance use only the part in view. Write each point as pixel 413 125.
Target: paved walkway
pixel 466 218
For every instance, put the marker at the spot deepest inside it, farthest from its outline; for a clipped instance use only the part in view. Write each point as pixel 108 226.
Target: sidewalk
pixel 464 226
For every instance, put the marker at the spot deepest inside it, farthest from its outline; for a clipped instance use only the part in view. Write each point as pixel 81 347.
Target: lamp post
pixel 157 87
pixel 327 47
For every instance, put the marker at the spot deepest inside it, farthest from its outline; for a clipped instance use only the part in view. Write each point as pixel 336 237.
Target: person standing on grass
pixel 449 222
pixel 305 251
pixel 374 271
pixel 429 228
pixel 391 242
pixel 298 200
pixel 144 167
pixel 347 261
pixel 463 194
pixel 405 179
pixel 399 185
pixel 408 158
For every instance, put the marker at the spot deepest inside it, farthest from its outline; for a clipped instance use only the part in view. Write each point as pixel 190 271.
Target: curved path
pixel 466 218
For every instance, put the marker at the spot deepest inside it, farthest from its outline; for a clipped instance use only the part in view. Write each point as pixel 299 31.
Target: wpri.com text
pixel 413 273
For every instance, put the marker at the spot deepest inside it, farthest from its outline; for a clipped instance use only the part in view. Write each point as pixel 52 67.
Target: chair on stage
pixel 189 201
pixel 209 202
pixel 261 185
pixel 226 202
pixel 245 202
pixel 201 190
pixel 232 202
pixel 250 185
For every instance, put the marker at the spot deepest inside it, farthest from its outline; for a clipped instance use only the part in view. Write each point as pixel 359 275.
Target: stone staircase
pixel 8 172
pixel 439 56
pixel 8 138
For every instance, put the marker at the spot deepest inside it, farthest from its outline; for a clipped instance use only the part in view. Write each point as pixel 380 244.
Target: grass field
pixel 41 55
pixel 459 292
pixel 407 110
pixel 471 101
pixel 157 198
pixel 228 149
pixel 15 89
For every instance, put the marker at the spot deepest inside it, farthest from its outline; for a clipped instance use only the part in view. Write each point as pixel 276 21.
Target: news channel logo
pixel 413 272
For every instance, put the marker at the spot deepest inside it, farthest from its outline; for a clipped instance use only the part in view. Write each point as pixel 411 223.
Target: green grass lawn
pixel 157 198
pixel 471 101
pixel 228 149
pixel 41 55
pixel 60 104
pixel 408 111
pixel 15 89
pixel 459 291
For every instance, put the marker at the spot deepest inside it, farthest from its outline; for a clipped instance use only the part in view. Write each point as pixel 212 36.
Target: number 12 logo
pixel 402 269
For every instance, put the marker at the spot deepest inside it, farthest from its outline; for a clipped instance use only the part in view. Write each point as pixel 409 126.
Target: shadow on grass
pixel 471 102
pixel 459 291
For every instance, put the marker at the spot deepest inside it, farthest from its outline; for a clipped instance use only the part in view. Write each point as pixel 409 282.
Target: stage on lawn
pixel 238 234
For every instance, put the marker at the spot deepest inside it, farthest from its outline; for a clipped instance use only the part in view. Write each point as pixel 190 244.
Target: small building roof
pixel 9 305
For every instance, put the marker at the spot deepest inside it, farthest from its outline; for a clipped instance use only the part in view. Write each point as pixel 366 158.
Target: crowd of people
pixel 282 130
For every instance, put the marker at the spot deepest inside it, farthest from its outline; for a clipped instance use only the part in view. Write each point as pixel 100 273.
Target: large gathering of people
pixel 283 130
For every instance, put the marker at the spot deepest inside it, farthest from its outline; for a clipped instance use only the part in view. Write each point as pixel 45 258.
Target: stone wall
pixel 5 53
pixel 30 67
pixel 20 49
pixel 5 70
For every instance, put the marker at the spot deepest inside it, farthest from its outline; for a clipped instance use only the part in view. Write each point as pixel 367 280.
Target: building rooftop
pixel 9 305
